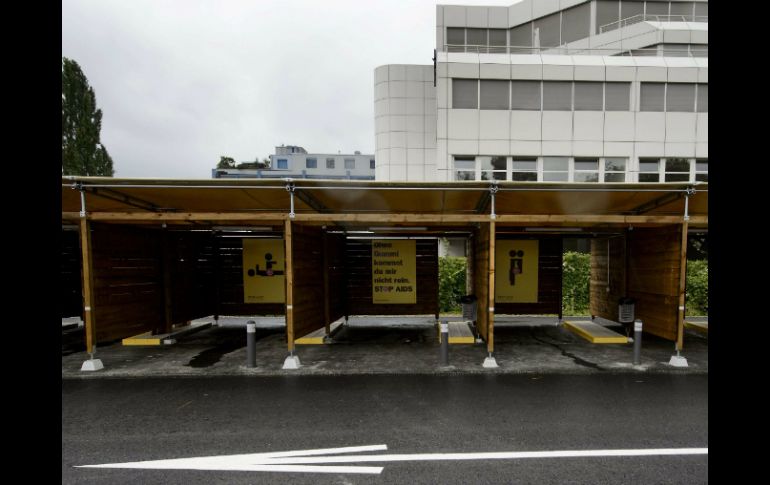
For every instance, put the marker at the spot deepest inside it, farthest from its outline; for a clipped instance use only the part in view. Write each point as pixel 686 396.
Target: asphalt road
pixel 114 421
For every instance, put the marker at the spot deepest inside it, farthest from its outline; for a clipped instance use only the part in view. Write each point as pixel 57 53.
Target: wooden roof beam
pixel 655 203
pixel 311 201
pixel 123 198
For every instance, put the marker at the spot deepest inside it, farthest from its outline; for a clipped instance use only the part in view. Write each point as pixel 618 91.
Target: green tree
pixel 82 152
pixel 576 283
pixel 451 283
pixel 697 284
pixel 226 162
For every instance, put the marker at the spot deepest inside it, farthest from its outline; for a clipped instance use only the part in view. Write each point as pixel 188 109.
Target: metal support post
pixel 637 342
pixel 251 344
pixel 444 343
pixel 492 191
pixel 290 189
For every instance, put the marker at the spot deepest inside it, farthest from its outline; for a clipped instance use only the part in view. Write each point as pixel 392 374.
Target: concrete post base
pixel 678 361
pixel 291 362
pixel 92 365
pixel 490 363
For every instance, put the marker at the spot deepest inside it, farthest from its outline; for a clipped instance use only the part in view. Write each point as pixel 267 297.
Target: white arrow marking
pixel 298 461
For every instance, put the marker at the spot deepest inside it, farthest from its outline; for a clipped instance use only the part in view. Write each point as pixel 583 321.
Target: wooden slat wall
pixel 70 289
pixel 193 287
pixel 602 303
pixel 308 300
pixel 335 254
pixel 359 274
pixel 653 278
pixel 549 276
pixel 481 278
pixel 128 281
pixel 231 282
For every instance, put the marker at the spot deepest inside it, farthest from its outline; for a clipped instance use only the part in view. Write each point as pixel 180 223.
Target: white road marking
pixel 306 460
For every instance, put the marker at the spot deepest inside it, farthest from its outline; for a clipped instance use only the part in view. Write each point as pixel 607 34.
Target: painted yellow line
pixel 317 337
pixel 142 339
pixel 596 334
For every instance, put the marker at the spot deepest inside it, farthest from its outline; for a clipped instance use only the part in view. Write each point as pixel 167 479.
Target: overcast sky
pixel 182 82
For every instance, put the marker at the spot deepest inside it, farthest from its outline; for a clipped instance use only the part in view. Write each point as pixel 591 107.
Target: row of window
pixel 311 162
pixel 579 169
pixel 670 50
pixel 569 25
pixel 577 95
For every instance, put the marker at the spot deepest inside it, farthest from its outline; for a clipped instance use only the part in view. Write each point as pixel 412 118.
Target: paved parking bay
pixel 382 345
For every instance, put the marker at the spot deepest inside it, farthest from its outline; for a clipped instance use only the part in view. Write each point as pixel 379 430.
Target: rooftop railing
pixel 635 19
pixel 567 51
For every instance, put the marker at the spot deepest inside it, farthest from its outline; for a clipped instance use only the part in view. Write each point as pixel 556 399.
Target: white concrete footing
pixel 490 363
pixel 291 362
pixel 92 365
pixel 677 361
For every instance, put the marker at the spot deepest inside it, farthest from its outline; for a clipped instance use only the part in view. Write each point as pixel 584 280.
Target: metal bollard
pixel 445 343
pixel 251 344
pixel 637 342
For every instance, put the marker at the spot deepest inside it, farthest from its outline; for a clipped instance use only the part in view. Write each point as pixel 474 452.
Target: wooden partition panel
pixel 231 282
pixel 336 276
pixel 190 260
pixel 653 278
pixel 359 276
pixel 70 289
pixel 481 279
pixel 549 276
pixel 608 270
pixel 128 281
pixel 308 271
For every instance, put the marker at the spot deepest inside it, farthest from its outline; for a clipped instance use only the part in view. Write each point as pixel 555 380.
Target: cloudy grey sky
pixel 181 82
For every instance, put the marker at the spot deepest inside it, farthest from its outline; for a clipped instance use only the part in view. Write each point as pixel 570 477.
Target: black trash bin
pixel 626 310
pixel 469 303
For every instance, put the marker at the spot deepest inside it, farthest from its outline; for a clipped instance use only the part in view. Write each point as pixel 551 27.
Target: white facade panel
pixel 383 140
pixel 463 147
pixel 470 71
pixel 414 106
pixel 414 74
pixel 415 157
pixel 649 149
pixel 703 74
pixel 612 149
pixel 415 123
pixel 683 75
pixel 589 73
pixel 429 141
pixel 415 89
pixel 520 12
pixel 397 123
pixel 454 16
pixel 441 123
pixel 686 150
pixel 619 125
pixel 620 73
pixel 587 148
pixel 398 156
pixel 557 148
pixel 381 124
pixel 526 148
pixel 415 139
pixel 650 127
pixel 676 36
pixel 588 125
pixel 397 89
pixel 561 73
pixel 680 127
pixel 430 173
pixel 396 72
pixel 699 36
pixel 463 124
pixel 430 154
pixel 494 147
pixel 651 74
pixel 398 173
pixel 498 17
pixel 397 106
pixel 544 7
pixel 415 173
pixel 494 125
pixel 526 71
pixel 429 107
pixel 476 17
pixel 381 74
pixel 557 125
pixel 526 125
pixel 397 139
pixel 495 71
pixel 702 128
pixel 702 150
pixel 381 107
pixel 381 91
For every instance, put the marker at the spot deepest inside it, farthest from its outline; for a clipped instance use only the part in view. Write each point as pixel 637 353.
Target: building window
pixel 455 39
pixel 548 29
pixel 607 12
pixel 615 169
pixel 677 170
pixel 703 98
pixel 557 95
pixel 589 96
pixel 311 163
pixel 680 97
pixel 465 168
pixel 350 163
pixel 524 169
pixel 555 169
pixel 465 93
pixel 702 170
pixel 576 23
pixel 649 170
pixel 475 40
pixel 493 168
pixel 283 163
pixel 617 96
pixel 494 94
pixel 652 97
pixel 657 8
pixel 520 38
pixel 498 39
pixel 329 163
pixel 371 163
pixel 525 95
pixel 586 170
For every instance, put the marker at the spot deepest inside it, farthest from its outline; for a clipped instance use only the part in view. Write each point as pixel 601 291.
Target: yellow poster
pixel 516 271
pixel 264 279
pixel 394 273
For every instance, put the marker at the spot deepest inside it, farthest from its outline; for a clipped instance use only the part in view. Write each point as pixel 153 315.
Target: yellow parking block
pixel 699 326
pixel 595 333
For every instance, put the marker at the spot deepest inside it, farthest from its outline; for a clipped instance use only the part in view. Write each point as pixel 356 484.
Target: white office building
pixel 293 161
pixel 551 91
